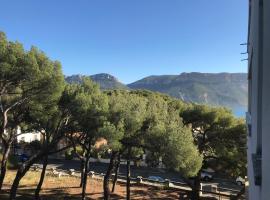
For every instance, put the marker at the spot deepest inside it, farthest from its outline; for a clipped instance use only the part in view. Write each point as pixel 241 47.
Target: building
pixel 258 115
pixel 28 136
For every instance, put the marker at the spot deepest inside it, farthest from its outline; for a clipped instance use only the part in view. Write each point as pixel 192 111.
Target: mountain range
pixel 221 89
pixel 106 81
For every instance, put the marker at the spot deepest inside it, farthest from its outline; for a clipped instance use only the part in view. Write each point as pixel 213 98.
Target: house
pixel 28 136
pixel 258 115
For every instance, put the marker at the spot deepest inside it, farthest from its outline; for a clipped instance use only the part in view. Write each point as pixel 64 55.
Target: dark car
pixel 23 157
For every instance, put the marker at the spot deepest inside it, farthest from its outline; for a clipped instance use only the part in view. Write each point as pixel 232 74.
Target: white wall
pixel 260 118
pixel 29 137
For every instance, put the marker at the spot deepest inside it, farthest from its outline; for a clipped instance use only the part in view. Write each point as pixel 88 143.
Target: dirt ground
pixel 66 188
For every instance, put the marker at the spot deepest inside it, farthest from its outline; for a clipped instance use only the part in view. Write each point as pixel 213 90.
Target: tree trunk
pixel 4 164
pixel 128 173
pixel 196 187
pixel 20 173
pixel 42 176
pixel 116 171
pixel 23 169
pixel 86 167
pixel 241 193
pixel 7 146
pixel 106 182
pixel 4 123
pixel 82 171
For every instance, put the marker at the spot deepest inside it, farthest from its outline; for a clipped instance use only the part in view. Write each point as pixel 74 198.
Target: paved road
pixel 136 171
pixel 102 168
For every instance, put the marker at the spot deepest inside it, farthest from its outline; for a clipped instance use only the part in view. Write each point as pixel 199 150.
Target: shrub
pixel 95 153
pixel 13 162
pixel 69 154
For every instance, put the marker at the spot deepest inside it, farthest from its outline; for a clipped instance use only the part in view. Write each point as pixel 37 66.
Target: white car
pixel 156 178
pixel 206 176
pixel 240 181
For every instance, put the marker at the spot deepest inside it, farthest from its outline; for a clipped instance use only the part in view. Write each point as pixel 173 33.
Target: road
pixel 137 171
pixel 102 168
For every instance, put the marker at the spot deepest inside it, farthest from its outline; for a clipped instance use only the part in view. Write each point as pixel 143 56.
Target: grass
pixel 66 188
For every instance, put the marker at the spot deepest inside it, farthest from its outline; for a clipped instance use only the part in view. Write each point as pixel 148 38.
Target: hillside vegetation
pixel 106 81
pixel 222 89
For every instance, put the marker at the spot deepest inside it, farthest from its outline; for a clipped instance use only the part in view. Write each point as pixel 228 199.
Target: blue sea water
pixel 240 111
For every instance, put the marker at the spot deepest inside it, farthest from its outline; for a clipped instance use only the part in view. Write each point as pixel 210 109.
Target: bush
pixel 95 153
pixel 13 162
pixel 152 159
pixel 34 145
pixel 104 152
pixel 101 152
pixel 69 154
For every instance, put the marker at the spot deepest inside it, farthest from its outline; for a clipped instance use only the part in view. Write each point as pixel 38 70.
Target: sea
pixel 240 111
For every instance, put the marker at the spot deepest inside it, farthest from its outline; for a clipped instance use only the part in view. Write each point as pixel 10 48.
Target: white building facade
pixel 258 116
pixel 28 136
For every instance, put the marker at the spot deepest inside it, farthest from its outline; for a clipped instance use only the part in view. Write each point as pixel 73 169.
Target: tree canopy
pixel 186 137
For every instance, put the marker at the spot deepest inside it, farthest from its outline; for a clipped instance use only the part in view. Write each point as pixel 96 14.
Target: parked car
pixel 240 181
pixel 206 176
pixel 155 178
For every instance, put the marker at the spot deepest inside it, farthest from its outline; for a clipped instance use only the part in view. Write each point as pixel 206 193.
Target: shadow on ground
pixel 62 194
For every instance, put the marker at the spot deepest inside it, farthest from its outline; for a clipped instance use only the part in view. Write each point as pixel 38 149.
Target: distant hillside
pixel 106 81
pixel 226 89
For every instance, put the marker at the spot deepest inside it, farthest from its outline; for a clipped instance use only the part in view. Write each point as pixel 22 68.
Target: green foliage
pixel 232 150
pixel 185 136
pixel 150 121
pixel 88 111
pixel 174 141
pixel 34 145
pixel 135 155
pixel 152 158
pixel 95 153
pixel 13 162
pixel 181 154
pixel 113 134
pixel 31 84
pixel 165 136
pixel 220 137
pixel 88 106
pixel 104 152
pixel 126 118
pixel 79 150
pixel 101 152
pixel 69 154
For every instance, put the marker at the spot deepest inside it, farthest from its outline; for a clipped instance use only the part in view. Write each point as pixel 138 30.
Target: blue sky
pixel 131 39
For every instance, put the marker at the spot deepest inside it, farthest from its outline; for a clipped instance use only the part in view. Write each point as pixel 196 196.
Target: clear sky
pixel 131 39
